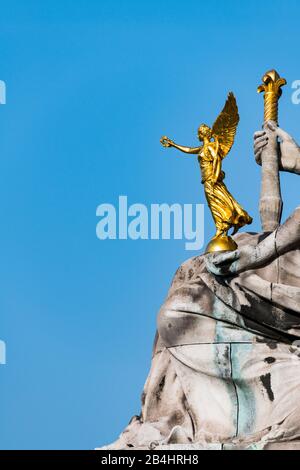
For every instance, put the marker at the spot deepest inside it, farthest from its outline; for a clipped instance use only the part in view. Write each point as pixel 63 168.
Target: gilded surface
pixel 217 142
pixel 271 87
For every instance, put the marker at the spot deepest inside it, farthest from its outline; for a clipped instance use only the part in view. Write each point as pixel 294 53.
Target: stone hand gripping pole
pixel 270 199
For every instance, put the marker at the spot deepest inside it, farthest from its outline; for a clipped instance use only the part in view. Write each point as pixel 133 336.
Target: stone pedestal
pixel 225 371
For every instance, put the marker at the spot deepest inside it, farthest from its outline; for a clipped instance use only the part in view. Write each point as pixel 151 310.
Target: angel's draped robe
pixel 226 211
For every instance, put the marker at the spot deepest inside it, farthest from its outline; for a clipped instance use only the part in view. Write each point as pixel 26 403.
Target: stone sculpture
pixel 225 369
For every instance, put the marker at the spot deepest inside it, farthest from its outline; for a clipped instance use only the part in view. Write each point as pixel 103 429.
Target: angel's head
pixel 204 132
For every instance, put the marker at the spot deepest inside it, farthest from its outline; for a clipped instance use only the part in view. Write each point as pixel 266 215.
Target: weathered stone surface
pixel 225 371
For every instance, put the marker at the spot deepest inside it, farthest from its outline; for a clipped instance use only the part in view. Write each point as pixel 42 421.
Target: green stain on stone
pixel 245 393
pixel 239 391
pixel 234 345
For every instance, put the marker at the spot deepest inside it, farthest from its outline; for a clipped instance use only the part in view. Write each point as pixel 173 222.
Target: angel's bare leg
pixel 220 233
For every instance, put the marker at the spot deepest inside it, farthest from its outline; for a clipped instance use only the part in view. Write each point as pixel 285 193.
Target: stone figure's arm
pixel 166 142
pixel 285 238
pixel 289 150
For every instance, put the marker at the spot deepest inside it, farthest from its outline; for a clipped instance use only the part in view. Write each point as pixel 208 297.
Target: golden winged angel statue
pixel 217 142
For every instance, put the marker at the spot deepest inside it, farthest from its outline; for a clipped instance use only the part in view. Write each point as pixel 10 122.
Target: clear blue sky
pixel 91 87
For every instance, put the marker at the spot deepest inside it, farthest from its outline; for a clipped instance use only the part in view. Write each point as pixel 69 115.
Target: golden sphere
pixel 221 243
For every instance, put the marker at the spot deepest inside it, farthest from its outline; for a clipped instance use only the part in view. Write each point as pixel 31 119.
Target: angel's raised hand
pixel 166 142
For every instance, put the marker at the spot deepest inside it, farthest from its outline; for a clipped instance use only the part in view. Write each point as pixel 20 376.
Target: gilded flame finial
pixel 272 83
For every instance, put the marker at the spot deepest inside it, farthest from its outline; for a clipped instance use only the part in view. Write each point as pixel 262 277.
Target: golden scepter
pixel 270 207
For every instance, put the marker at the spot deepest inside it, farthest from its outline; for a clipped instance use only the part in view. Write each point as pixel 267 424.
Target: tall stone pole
pixel 270 206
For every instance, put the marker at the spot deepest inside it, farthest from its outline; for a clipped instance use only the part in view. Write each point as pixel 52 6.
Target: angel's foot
pixel 220 233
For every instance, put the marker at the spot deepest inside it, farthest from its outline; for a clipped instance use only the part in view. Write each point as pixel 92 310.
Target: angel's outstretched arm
pixel 184 149
pixel 166 142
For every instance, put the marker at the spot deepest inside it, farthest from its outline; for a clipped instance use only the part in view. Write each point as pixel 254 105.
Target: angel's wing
pixel 225 125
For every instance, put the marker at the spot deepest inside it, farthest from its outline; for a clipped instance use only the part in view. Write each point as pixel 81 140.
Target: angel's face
pixel 204 132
